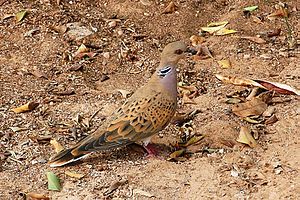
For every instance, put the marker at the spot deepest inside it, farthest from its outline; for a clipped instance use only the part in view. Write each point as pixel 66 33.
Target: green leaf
pixel 53 182
pixel 20 15
pixel 251 8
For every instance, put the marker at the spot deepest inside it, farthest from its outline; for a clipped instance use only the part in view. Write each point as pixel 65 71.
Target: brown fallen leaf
pixel 36 196
pixel 115 186
pixel 271 120
pixel 278 87
pixel 257 40
pixel 267 85
pixel 253 107
pixel 20 15
pixel 26 107
pixel 279 13
pixel 170 8
pixel 196 40
pixel 176 154
pixel 246 137
pixel 57 146
pixel 74 174
pixel 39 74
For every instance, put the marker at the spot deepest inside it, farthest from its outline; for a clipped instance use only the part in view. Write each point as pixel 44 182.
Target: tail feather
pixel 65 157
pixel 84 148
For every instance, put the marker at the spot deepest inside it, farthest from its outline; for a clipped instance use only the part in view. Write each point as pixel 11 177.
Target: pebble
pixel 106 55
pixel 112 24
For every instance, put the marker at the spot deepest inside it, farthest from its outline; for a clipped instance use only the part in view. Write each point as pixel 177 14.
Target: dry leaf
pixel 257 40
pixel 114 186
pixel 251 8
pixel 221 23
pixel 57 146
pixel 237 81
pixel 196 40
pixel 267 85
pixel 246 137
pixel 27 107
pixel 170 8
pixel 233 100
pixel 142 193
pixel 36 196
pixel 254 107
pixel 251 120
pixel 225 31
pixel 278 87
pixel 20 15
pixel 225 64
pixel 176 154
pixel 17 129
pixel 7 16
pixel 39 74
pixel 271 120
pixel 279 13
pixel 212 30
pixel 74 175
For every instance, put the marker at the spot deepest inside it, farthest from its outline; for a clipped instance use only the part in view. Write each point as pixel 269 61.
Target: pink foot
pixel 151 151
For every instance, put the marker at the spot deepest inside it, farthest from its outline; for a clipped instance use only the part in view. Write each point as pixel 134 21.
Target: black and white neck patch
pixel 164 71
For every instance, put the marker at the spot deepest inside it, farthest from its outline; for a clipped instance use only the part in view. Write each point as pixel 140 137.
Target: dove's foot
pixel 152 151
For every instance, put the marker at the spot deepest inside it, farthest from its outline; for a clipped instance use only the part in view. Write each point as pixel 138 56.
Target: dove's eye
pixel 178 51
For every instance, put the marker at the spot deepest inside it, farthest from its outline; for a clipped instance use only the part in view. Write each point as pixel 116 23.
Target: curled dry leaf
pixel 57 146
pixel 53 182
pixel 214 27
pixel 26 107
pixel 74 174
pixel 246 137
pixel 267 85
pixel 279 13
pixel 170 8
pixel 257 40
pixel 20 15
pixel 36 196
pixel 250 108
pixel 236 81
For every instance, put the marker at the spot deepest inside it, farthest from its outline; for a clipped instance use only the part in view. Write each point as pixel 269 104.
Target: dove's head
pixel 173 52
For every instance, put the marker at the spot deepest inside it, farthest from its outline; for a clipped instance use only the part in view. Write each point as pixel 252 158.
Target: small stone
pixel 234 173
pixel 106 55
pixel 120 32
pixel 247 56
pixel 112 24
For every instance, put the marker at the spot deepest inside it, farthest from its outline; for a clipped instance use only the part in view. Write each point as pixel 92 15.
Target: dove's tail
pixel 65 157
pixel 89 144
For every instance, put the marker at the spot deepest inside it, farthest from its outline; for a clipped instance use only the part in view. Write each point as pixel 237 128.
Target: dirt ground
pixel 38 63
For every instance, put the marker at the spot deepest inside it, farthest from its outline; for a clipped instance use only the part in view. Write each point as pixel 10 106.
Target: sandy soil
pixel 37 63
